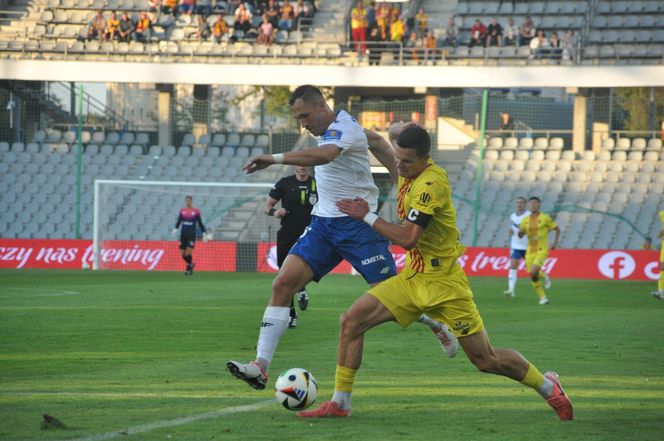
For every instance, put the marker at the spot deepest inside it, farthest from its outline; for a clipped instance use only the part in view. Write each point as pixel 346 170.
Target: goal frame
pixel 98 183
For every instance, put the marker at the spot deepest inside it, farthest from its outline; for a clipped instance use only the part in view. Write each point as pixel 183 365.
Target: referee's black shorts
pixel 286 238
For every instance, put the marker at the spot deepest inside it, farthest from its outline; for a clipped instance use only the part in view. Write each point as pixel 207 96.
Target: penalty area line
pixel 142 428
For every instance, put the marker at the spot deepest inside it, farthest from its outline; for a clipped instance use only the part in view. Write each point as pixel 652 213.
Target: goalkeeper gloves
pixel 174 232
pixel 207 236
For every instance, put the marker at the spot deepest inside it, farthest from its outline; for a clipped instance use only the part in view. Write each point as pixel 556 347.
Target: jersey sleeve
pixel 337 135
pixel 550 223
pixel 277 192
pixel 178 221
pixel 426 197
pixel 200 222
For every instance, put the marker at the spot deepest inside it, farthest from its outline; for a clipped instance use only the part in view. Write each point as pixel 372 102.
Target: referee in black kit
pixel 297 194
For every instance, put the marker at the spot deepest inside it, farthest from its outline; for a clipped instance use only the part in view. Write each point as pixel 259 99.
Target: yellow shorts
pixel 661 255
pixel 444 297
pixel 537 258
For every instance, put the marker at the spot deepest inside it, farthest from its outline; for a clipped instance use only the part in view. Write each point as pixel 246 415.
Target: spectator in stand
pixel 143 31
pixel 112 27
pixel 287 14
pixel 429 46
pixel 478 34
pixel 568 45
pixel 452 35
pixel 413 45
pixel 203 7
pixel 154 6
pixel 494 34
pixel 511 33
pixel 232 6
pixel 358 28
pixel 203 30
pixel 126 28
pixel 556 46
pixel 187 6
pixel 219 29
pixel 376 46
pixel 169 7
pixel 265 32
pixel 422 22
pixel 371 16
pixel 97 26
pixel 397 30
pixel 539 45
pixel 383 22
pixel 647 244
pixel 242 19
pixel 272 12
pixel 506 123
pixel 526 31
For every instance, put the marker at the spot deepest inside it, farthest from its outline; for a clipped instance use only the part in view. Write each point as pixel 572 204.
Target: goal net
pixel 134 223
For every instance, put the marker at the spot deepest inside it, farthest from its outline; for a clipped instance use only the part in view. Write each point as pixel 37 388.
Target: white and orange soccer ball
pixel 296 389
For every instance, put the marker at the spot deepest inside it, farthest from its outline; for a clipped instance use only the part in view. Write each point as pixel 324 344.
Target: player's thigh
pixel 476 346
pixel 315 249
pixel 293 274
pixel 449 299
pixel 365 313
pixel 366 250
pixel 395 294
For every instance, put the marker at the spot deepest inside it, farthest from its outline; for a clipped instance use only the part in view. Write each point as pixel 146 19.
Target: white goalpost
pixel 133 223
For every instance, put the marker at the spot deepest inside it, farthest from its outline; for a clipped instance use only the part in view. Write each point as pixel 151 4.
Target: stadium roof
pixel 371 76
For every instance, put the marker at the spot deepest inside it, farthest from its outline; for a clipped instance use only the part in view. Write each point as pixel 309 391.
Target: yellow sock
pixel 538 289
pixel 660 282
pixel 344 379
pixel 533 378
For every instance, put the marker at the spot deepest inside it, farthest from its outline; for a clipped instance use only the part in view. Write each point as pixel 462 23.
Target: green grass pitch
pixel 139 352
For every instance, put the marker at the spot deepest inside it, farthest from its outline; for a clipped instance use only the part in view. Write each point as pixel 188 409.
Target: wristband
pixel 271 211
pixel 370 218
pixel 278 158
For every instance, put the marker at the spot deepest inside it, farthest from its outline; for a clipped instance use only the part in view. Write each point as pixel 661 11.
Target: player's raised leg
pixel 363 315
pixel 294 273
pixel 510 363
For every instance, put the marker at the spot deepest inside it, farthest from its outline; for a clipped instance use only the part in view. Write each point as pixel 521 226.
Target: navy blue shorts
pixel 329 240
pixel 517 254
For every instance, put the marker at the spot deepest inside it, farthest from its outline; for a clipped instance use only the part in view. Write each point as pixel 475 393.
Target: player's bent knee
pixel 283 288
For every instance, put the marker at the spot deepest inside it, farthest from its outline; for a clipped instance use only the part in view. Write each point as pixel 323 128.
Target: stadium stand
pixel 602 32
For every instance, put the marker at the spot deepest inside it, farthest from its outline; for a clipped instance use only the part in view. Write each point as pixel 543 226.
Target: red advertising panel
pixel 222 256
pixel 119 255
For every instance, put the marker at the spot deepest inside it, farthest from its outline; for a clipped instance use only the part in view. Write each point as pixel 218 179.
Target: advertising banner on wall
pixel 224 256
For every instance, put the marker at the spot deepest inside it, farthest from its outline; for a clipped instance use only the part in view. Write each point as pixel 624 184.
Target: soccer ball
pixel 296 389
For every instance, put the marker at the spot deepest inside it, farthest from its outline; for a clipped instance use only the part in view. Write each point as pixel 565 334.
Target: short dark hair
pixel 534 198
pixel 415 137
pixel 522 198
pixel 306 93
pixel 189 197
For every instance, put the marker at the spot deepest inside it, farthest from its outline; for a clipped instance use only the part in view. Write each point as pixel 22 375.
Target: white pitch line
pixel 174 422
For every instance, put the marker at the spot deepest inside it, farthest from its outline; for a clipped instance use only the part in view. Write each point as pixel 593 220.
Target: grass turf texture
pixel 108 351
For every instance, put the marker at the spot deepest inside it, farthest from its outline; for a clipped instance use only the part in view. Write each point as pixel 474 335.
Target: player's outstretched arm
pixel 555 238
pixel 405 236
pixel 383 151
pixel 305 157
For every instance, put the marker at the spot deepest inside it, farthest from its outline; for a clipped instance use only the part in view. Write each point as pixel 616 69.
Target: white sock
pixel 342 399
pixel 425 319
pixel 547 388
pixel 275 322
pixel 511 279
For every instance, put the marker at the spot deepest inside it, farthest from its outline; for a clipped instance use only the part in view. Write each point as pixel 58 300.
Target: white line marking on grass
pixel 174 422
pixel 15 291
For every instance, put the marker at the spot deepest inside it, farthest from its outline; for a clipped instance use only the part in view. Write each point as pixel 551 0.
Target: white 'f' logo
pixel 616 265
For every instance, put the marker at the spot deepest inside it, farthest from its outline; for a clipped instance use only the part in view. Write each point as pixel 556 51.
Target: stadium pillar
pixel 165 114
pixel 579 122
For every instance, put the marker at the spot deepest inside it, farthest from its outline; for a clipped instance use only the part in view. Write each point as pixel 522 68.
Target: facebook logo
pixel 616 265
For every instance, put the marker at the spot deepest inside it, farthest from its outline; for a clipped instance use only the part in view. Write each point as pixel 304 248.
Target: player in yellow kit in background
pixel 537 227
pixel 660 283
pixel 432 281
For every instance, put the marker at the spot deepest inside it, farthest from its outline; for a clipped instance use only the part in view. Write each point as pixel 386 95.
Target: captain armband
pixel 418 218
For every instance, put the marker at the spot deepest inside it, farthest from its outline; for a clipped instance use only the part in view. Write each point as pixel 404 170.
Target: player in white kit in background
pixel 342 171
pixel 518 244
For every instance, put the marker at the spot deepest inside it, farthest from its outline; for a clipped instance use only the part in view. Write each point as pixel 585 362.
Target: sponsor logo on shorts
pixel 373 259
pixel 462 328
pixel 385 270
